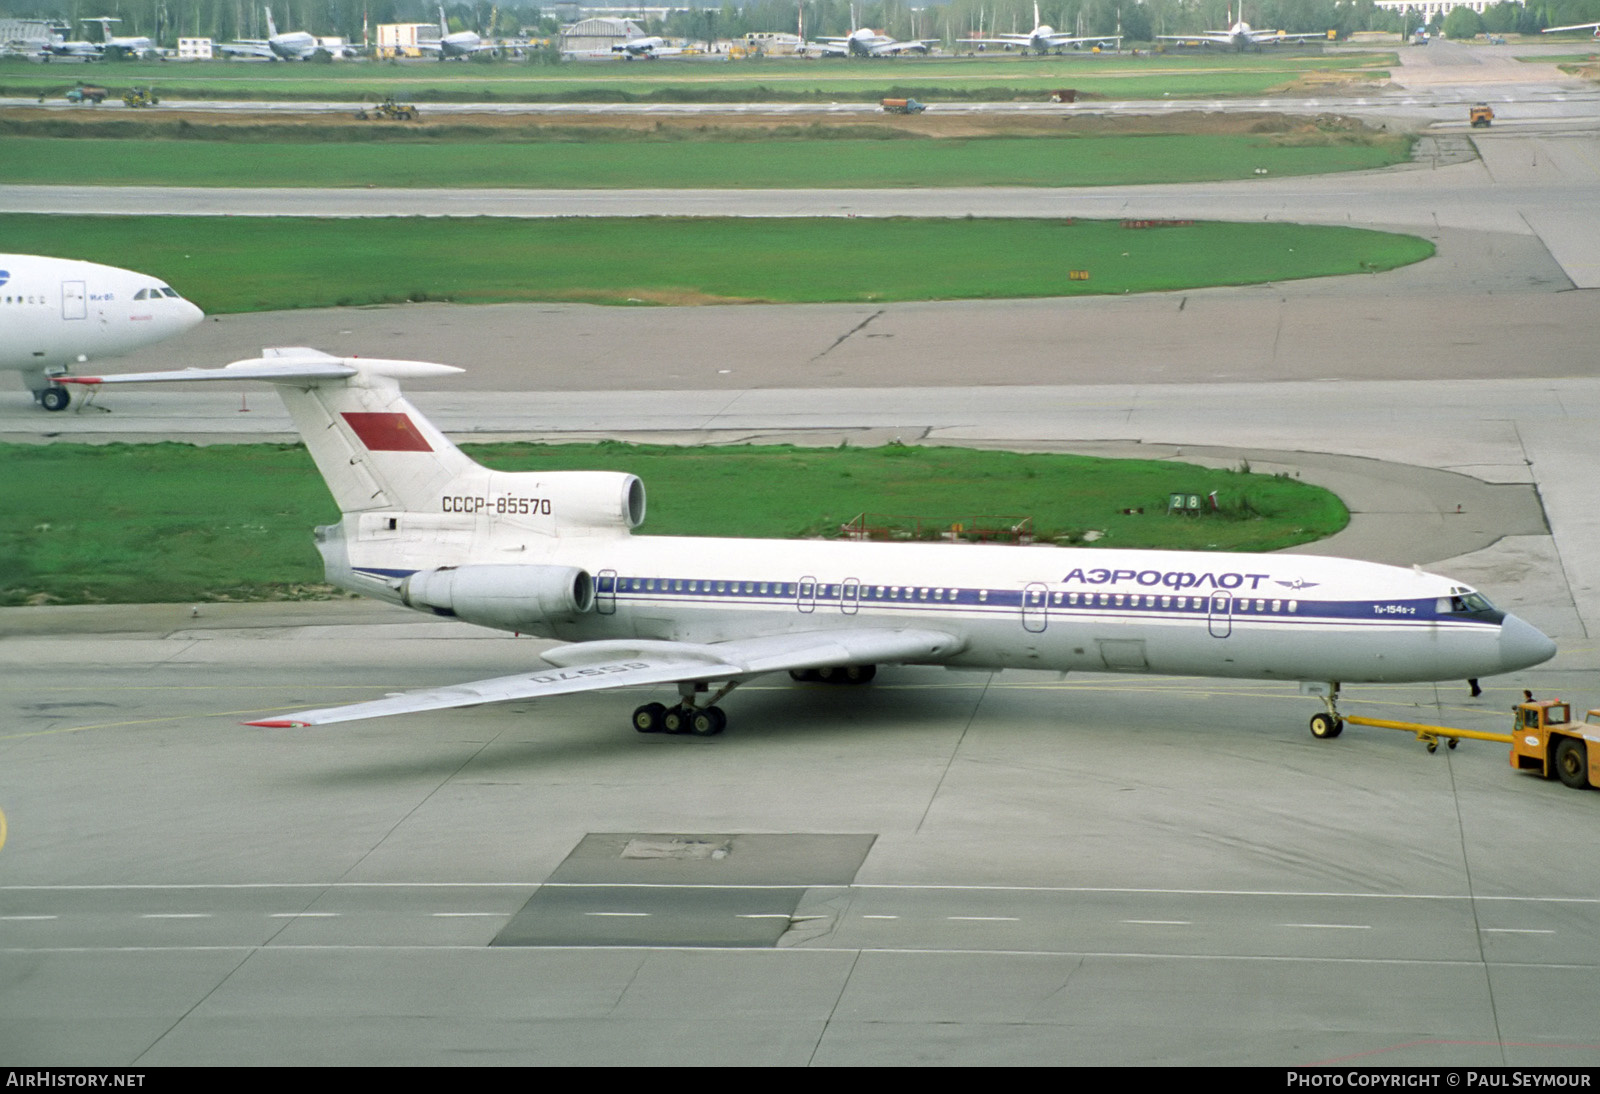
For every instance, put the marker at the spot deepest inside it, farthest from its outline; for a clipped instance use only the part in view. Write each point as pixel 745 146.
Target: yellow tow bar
pixel 1429 735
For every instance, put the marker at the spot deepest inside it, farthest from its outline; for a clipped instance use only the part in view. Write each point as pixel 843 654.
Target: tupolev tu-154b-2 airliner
pixel 554 554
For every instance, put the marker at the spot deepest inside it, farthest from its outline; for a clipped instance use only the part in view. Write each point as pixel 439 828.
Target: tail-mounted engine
pixel 511 598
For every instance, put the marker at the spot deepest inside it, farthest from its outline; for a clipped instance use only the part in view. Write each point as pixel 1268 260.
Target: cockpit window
pixel 1464 603
pixel 168 292
pixel 142 294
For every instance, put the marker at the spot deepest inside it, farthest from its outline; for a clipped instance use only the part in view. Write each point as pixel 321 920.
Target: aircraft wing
pixel 1574 26
pixel 888 48
pixel 597 666
pixel 247 48
pixel 1268 37
pixel 1067 40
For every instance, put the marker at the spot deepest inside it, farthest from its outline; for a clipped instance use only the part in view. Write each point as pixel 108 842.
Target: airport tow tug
pixel 1481 115
pixel 1549 742
pixel 1544 738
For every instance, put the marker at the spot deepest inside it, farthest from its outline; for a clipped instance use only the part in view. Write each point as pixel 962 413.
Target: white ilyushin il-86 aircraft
pixel 294 45
pixel 59 312
pixel 554 554
pixel 1043 38
pixel 866 42
pixel 463 43
pixel 1241 36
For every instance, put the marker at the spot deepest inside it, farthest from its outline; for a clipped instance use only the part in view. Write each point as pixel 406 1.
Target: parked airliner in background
pixel 462 43
pixel 295 45
pixel 646 49
pixel 1241 36
pixel 59 312
pixel 865 42
pixel 554 554
pixel 136 46
pixel 1043 38
pixel 1595 27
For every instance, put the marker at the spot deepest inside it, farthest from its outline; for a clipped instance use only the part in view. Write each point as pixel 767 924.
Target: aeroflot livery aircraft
pixel 554 554
pixel 58 312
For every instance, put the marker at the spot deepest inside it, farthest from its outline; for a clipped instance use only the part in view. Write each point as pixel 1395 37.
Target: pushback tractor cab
pixel 1547 741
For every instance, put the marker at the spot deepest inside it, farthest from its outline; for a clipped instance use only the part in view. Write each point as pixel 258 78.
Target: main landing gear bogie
pixel 681 718
pixel 708 720
pixel 835 674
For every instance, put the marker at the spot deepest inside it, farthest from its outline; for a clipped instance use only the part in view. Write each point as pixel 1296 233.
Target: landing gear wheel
pixel 707 722
pixel 1572 763
pixel 828 675
pixel 676 719
pixel 859 674
pixel 804 676
pixel 1325 727
pixel 55 398
pixel 648 718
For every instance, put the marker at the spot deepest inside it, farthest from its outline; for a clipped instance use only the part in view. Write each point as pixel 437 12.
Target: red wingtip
pixel 277 723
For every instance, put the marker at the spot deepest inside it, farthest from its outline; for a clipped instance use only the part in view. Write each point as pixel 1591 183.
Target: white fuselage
pixel 460 44
pixel 58 312
pixel 295 46
pixel 1291 617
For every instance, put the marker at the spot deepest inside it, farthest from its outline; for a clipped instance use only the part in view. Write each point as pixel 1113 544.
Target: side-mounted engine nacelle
pixel 511 598
pixel 569 502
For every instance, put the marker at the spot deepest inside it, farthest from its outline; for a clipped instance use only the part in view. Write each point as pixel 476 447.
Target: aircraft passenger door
pixel 605 592
pixel 1219 617
pixel 850 596
pixel 74 301
pixel 806 597
pixel 1035 607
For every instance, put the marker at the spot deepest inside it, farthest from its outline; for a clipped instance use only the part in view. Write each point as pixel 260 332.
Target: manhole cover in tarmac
pixel 655 889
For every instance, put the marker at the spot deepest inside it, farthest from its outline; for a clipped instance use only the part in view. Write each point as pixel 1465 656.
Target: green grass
pixel 239 264
pixel 862 163
pixel 766 80
pixel 72 530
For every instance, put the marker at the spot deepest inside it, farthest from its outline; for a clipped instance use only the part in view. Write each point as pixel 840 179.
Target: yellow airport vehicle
pixel 1547 741
pixel 389 110
pixel 141 96
pixel 1429 735
pixel 1481 115
pixel 1544 739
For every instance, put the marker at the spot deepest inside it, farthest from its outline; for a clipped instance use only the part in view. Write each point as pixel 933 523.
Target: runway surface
pixel 941 868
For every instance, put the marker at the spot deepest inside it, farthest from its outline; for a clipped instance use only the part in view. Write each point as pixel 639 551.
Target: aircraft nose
pixel 186 315
pixel 1523 645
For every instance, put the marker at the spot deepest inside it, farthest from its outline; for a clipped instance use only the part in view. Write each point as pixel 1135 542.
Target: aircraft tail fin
pixel 272 28
pixel 374 449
